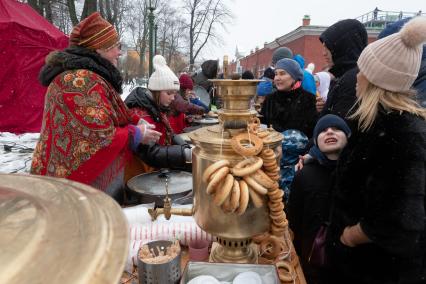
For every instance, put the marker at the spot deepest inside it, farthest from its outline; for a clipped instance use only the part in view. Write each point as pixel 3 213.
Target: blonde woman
pixel 377 233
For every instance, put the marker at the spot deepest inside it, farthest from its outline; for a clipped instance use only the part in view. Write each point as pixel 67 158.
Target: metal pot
pixel 151 187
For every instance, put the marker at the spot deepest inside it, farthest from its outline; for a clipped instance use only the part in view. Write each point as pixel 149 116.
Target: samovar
pixel 233 232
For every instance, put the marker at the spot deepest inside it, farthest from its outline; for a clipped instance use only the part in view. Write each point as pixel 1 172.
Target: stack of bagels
pixel 252 179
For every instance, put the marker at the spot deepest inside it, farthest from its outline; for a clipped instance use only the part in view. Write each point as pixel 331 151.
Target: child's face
pixel 332 140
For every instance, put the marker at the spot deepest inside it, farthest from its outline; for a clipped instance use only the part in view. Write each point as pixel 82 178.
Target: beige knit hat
pixel 393 62
pixel 162 78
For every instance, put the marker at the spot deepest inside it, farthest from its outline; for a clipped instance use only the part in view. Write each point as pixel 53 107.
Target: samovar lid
pixel 59 231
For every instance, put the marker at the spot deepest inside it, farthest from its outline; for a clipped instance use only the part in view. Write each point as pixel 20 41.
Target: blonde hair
pixel 369 101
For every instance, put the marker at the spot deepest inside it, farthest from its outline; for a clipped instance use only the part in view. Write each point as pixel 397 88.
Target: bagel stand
pixel 233 231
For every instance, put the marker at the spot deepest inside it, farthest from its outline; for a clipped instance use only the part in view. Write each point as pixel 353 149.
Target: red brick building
pixel 304 40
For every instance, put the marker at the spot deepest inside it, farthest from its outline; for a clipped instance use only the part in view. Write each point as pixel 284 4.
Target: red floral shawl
pixel 84 130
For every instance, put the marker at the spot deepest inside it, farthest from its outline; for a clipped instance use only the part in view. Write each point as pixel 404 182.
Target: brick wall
pixel 310 47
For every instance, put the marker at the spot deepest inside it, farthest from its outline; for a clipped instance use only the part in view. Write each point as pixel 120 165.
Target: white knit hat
pixel 162 78
pixel 392 63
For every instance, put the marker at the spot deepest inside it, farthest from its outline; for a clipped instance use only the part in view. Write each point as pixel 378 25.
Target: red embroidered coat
pixel 85 132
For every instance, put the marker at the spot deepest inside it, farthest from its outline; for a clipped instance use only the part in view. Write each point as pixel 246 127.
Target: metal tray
pixel 226 272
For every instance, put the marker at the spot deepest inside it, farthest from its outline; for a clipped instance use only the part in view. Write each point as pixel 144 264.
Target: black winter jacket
pixel 294 109
pixel 155 155
pixel 380 182
pixel 208 71
pixel 346 40
pixel 308 209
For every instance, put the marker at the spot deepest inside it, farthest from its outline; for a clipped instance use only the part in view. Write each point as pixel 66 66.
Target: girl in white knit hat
pixel 377 232
pixel 152 106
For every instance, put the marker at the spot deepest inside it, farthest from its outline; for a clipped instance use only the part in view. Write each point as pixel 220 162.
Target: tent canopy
pixel 26 39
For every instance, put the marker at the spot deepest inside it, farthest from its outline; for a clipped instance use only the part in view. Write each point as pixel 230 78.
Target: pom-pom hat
pixel 392 63
pixel 163 78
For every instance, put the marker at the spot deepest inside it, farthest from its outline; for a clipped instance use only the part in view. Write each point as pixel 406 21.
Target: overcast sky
pixel 257 21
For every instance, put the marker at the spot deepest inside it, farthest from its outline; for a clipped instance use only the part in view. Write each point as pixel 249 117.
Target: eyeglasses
pixel 118 45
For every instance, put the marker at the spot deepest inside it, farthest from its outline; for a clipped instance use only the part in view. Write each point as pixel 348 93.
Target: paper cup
pixel 198 250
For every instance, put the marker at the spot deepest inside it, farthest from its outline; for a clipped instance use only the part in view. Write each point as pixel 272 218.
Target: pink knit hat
pixel 393 62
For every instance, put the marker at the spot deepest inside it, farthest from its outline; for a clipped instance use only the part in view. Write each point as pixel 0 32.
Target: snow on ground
pixel 16 151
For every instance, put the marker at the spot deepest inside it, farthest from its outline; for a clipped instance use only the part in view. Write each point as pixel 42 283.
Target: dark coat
pixel 380 182
pixel 294 109
pixel 342 97
pixel 308 209
pixel 208 71
pixel 346 40
pixel 180 104
pixel 155 155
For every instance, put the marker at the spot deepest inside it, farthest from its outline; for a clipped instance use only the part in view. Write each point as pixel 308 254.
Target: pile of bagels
pixel 253 178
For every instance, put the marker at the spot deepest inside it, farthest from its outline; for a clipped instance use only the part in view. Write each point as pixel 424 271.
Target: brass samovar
pixel 233 232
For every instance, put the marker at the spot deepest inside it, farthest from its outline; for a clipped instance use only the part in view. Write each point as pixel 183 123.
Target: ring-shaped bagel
pixel 247 166
pixel 216 179
pixel 281 224
pixel 269 163
pixel 286 276
pixel 270 247
pixel 263 179
pixel 252 128
pixel 244 198
pixel 255 186
pixel 268 153
pixel 222 193
pixel 214 167
pixel 255 120
pixel 262 134
pixel 226 206
pixel 276 194
pixel 275 177
pixel 235 196
pixel 256 144
pixel 275 206
pixel 256 198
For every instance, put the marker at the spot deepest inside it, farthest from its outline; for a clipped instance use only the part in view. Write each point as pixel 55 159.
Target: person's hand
pixel 191 95
pixel 353 236
pixel 346 237
pixel 149 135
pixel 301 162
pixel 319 104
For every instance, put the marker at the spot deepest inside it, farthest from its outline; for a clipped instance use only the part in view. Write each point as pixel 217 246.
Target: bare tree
pixel 114 12
pixel 72 11
pixel 43 7
pixel 89 7
pixel 137 21
pixel 171 30
pixel 205 17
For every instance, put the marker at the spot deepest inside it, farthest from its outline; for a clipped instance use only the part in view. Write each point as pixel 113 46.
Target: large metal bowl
pixel 151 187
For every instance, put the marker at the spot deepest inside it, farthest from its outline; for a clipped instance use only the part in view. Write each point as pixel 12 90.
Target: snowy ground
pixel 16 150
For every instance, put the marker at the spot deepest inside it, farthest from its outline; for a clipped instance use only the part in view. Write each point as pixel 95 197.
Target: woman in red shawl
pixel 87 132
